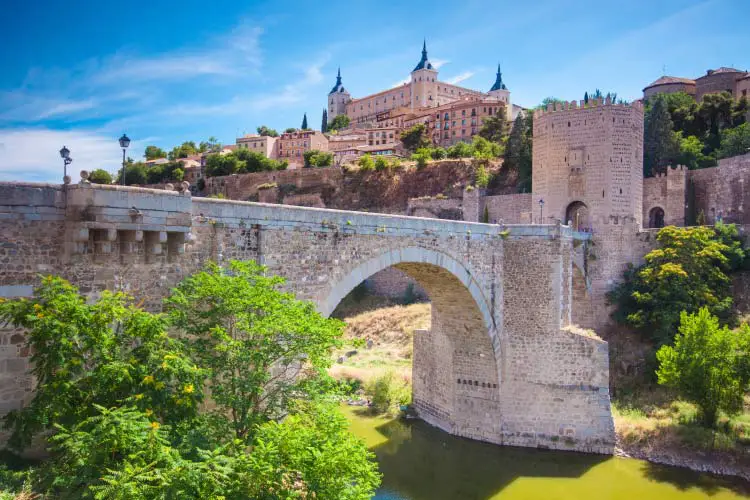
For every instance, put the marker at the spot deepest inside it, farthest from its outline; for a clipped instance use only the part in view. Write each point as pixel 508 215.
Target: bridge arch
pixel 399 258
pixel 456 370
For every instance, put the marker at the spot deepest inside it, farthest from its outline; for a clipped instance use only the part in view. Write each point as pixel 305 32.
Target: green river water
pixel 419 462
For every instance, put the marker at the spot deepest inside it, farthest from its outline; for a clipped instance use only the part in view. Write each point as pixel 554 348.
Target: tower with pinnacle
pixel 424 82
pixel 500 92
pixel 338 98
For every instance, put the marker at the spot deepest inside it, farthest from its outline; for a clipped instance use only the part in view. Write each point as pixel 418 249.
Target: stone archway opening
pixel 455 370
pixel 577 216
pixel 656 218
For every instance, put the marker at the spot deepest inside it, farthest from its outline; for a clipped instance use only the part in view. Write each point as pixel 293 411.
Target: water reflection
pixel 419 462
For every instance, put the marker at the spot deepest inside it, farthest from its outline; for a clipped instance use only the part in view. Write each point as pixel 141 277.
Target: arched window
pixel 656 218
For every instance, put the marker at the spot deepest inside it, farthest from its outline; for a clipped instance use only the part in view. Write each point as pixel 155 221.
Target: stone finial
pixel 169 187
pixel 67 180
pixel 185 186
pixel 84 176
pixel 583 103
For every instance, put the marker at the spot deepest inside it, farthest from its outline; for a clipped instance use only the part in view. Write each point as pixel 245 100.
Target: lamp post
pixel 541 210
pixel 67 160
pixel 124 143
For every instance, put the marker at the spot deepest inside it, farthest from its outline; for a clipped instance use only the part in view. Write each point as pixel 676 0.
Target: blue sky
pixel 82 73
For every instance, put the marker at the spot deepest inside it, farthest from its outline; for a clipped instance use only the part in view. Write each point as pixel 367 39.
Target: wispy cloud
pixel 107 83
pixel 460 77
pixel 439 63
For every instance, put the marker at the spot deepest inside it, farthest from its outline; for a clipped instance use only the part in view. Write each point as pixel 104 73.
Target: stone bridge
pixel 499 363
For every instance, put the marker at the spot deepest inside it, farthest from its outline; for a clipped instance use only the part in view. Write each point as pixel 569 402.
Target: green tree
pixel 317 158
pixel 135 174
pixel 417 137
pixel 262 346
pixel 461 150
pixel 218 164
pixel 494 128
pixel 324 123
pixel 549 100
pixel 486 149
pixel 715 111
pixel 421 157
pixel 100 176
pixel 691 153
pixel 660 145
pixel 735 141
pixel 290 130
pixel 178 174
pixel 381 164
pixel 106 352
pixel 266 132
pixel 152 153
pixel 708 365
pixel 438 153
pixel 366 163
pixel 689 270
pixel 184 150
pixel 339 122
pixel 304 122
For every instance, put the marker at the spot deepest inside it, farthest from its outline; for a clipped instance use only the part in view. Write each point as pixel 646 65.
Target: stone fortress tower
pixel 588 172
pixel 338 98
pixel 588 163
pixel 423 86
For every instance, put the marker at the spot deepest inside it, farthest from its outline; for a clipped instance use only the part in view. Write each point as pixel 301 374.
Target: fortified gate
pixel 498 363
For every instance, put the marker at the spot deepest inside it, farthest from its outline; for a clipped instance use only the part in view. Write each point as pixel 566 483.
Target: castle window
pixel 568 124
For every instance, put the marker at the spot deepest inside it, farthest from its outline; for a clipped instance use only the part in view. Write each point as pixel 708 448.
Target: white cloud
pixel 67 108
pixel 33 154
pixel 460 77
pixel 439 63
pixel 401 82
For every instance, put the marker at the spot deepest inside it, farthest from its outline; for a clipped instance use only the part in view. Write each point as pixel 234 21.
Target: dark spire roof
pixel 424 63
pixel 499 85
pixel 338 87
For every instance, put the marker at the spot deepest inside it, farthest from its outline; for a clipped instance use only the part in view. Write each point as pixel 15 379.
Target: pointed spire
pixel 498 85
pixel 338 87
pixel 423 63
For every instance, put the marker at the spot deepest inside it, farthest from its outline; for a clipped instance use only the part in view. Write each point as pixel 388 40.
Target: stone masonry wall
pixel 723 191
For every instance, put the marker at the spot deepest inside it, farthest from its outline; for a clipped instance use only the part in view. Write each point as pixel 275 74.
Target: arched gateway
pixel 498 363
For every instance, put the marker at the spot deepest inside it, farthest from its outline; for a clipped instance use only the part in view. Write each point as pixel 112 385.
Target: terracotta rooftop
pixel 665 80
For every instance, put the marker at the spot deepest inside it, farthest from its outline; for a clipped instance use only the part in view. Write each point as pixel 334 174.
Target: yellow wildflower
pixel 40 315
pixel 138 397
pixel 164 365
pixel 154 425
pixel 149 412
pixel 148 379
pixel 159 385
pixel 37 307
pixel 188 389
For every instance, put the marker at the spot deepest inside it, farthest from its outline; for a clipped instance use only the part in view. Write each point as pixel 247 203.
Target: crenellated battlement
pixel 583 105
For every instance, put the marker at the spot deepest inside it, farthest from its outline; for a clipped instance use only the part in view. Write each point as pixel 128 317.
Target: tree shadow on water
pixel 683 479
pixel 424 463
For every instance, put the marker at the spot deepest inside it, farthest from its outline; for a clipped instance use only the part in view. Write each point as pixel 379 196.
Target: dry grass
pixel 390 331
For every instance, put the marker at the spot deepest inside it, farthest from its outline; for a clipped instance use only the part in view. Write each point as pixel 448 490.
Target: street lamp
pixel 124 143
pixel 541 210
pixel 67 160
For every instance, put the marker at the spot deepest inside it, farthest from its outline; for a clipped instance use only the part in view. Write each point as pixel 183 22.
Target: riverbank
pixel 649 423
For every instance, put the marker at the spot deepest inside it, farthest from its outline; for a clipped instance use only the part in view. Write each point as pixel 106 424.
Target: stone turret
pixel 338 98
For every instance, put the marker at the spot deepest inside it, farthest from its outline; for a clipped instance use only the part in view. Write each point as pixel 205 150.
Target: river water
pixel 419 462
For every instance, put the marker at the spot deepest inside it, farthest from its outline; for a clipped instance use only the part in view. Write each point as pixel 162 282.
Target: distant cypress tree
pixel 304 122
pixel 661 146
pixel 324 125
pixel 586 98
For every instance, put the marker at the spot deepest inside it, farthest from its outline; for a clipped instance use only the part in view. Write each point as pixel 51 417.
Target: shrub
pixel 421 157
pixel 201 184
pixel 386 391
pixel 482 177
pixel 410 296
pixel 709 365
pixel 438 153
pixel 380 164
pixel 178 174
pixel 366 163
